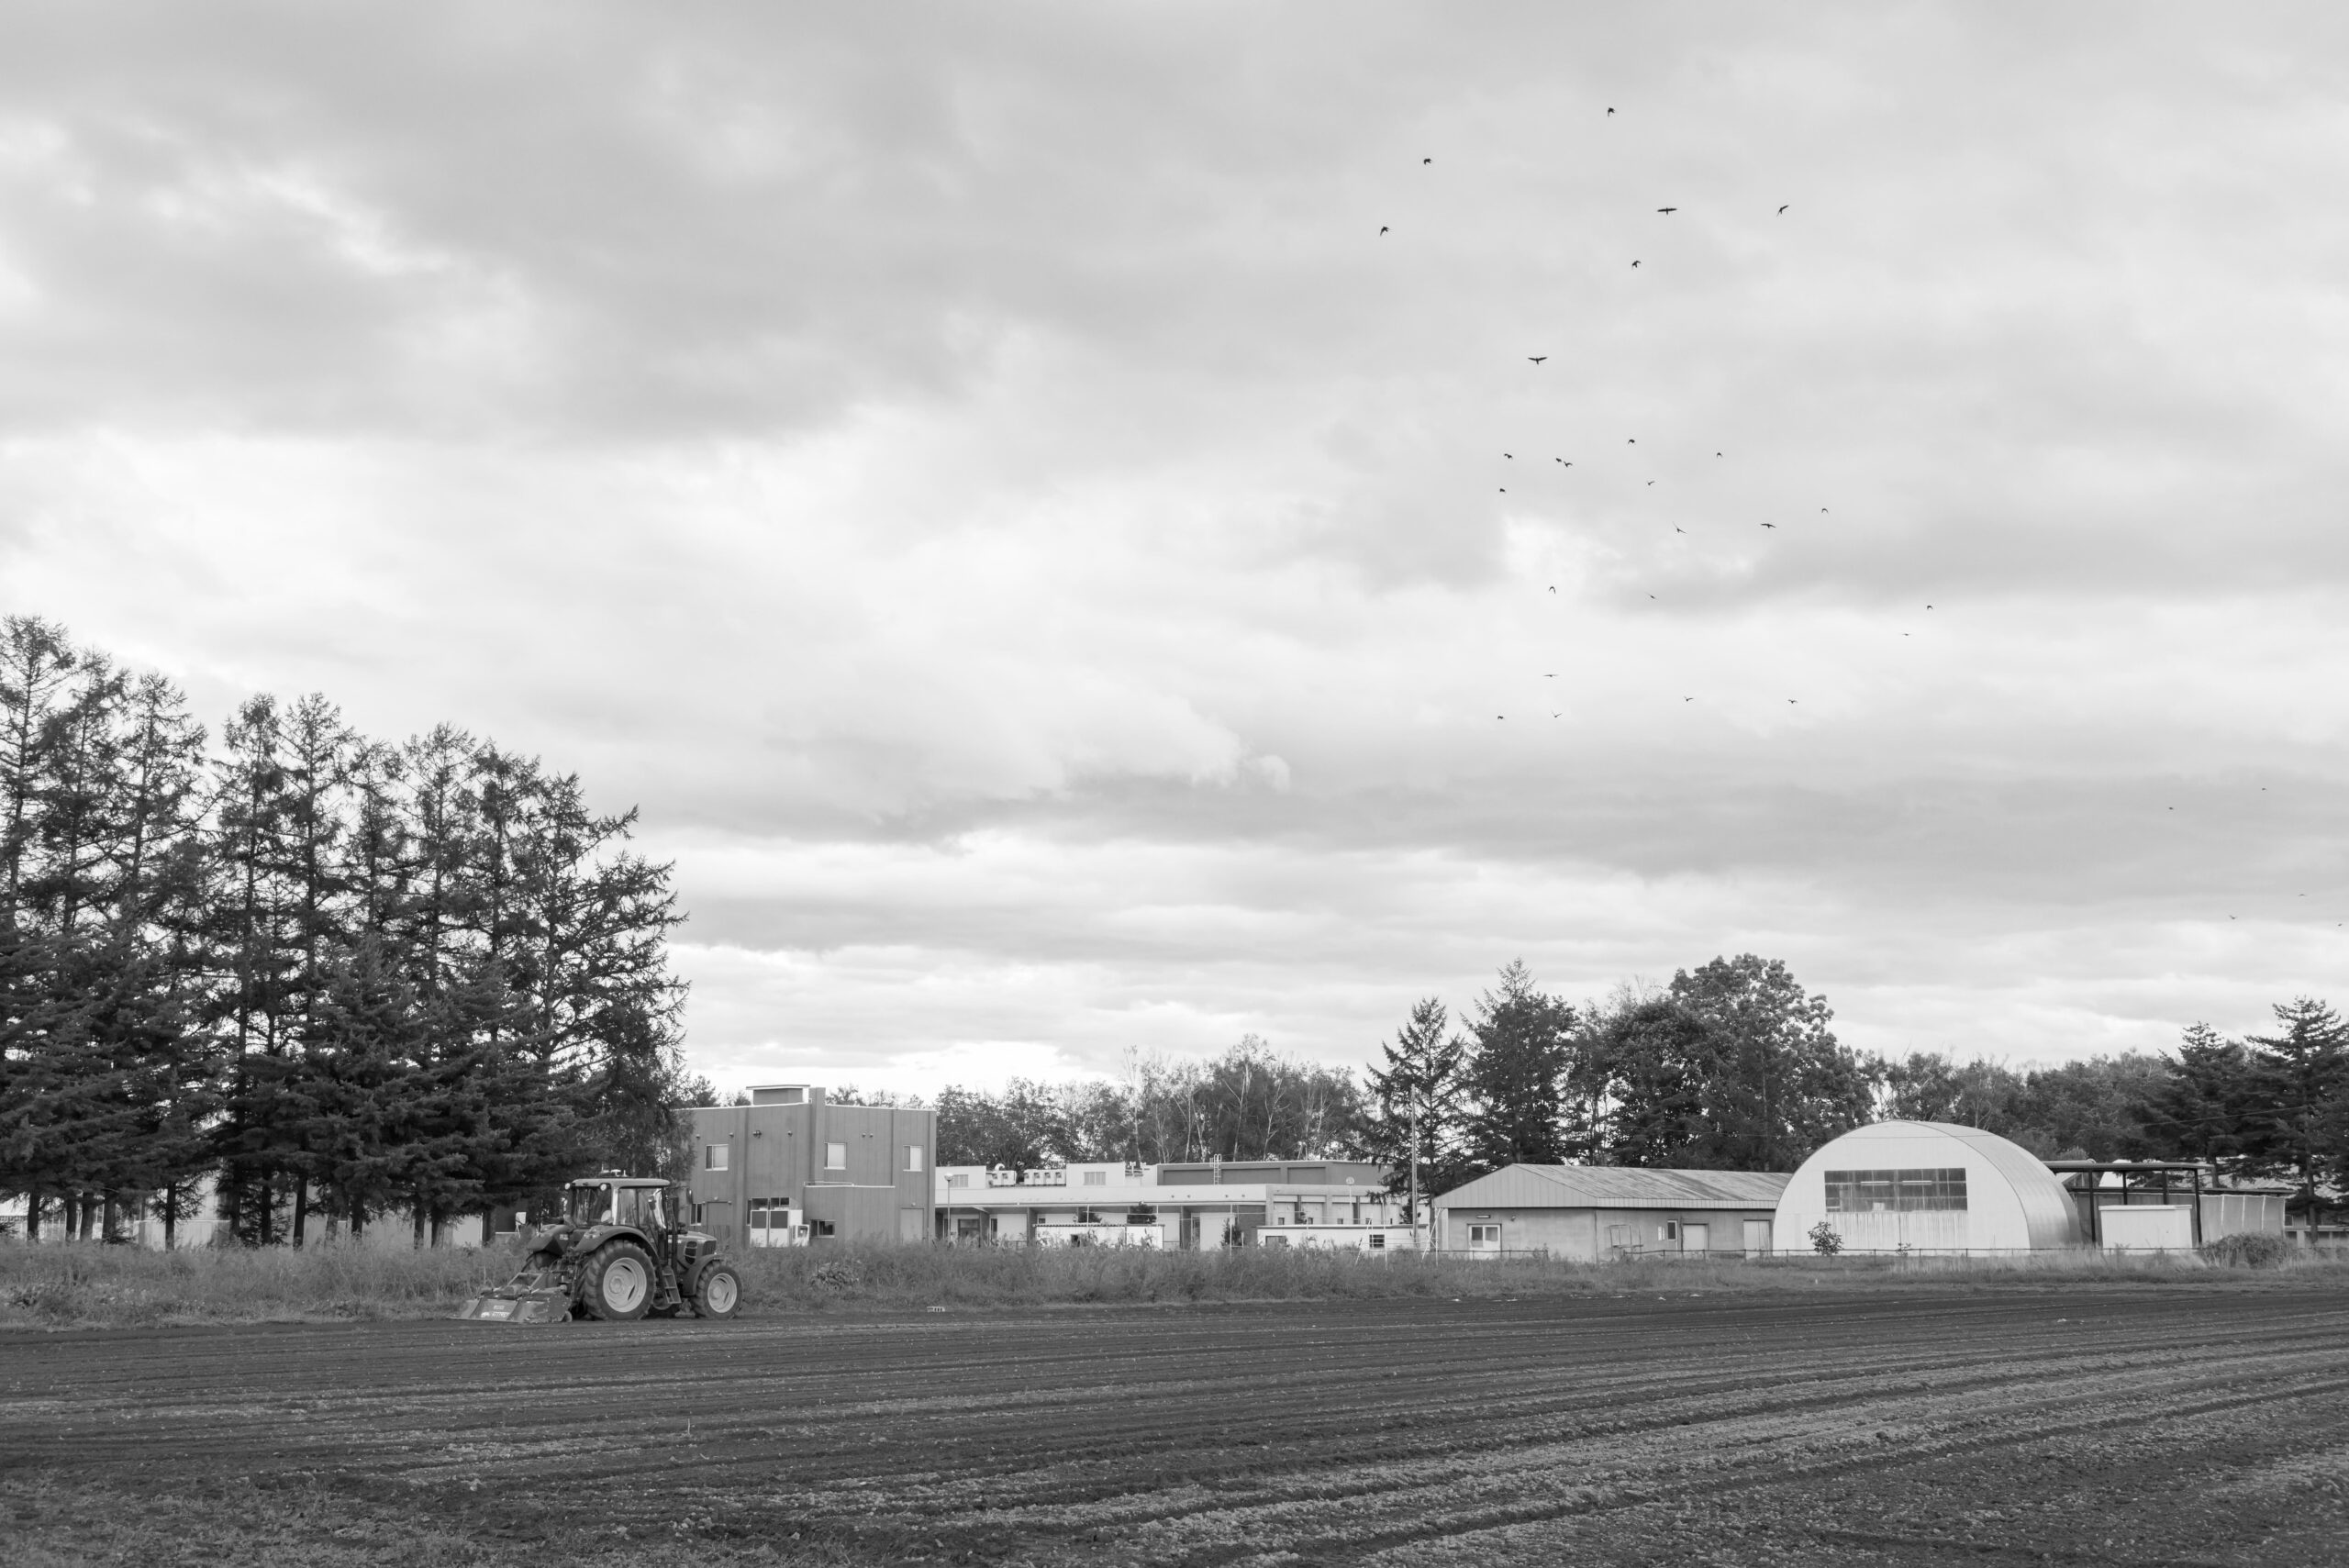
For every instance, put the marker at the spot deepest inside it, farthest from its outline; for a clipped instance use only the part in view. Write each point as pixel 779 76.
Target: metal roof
pixel 1616 1186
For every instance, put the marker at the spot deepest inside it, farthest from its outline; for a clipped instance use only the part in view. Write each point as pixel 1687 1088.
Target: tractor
pixel 618 1255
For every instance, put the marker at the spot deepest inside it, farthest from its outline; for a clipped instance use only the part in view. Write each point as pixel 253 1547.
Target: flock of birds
pixel 1566 464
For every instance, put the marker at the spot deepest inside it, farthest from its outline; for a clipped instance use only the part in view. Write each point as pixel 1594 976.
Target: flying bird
pixel 1687 700
pixel 1382 228
pixel 1651 481
pixel 1790 699
pixel 1537 359
pixel 1667 209
pixel 1551 676
pixel 1611 111
pixel 1783 209
pixel 1508 454
pixel 1769 525
pixel 1650 595
pixel 1635 263
pixel 1678 529
pixel 1554 587
pixel 1630 440
pixel 1562 461
pixel 1431 160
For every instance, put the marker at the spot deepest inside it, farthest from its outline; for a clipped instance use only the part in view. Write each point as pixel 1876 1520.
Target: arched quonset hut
pixel 1927 1186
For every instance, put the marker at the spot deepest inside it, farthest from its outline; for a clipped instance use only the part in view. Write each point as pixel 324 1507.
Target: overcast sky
pixel 1046 563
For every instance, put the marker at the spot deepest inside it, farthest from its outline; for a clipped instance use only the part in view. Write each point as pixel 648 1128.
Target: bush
pixel 1824 1240
pixel 2250 1251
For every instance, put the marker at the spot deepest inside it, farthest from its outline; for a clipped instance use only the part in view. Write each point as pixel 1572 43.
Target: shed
pixel 1594 1212
pixel 1927 1186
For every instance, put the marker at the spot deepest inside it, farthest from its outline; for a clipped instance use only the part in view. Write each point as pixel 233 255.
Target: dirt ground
pixel 2186 1424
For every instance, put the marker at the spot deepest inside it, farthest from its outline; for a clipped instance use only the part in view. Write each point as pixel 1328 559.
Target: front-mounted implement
pixel 615 1254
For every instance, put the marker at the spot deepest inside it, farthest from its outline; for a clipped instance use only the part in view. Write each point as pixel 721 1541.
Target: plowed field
pixel 2182 1425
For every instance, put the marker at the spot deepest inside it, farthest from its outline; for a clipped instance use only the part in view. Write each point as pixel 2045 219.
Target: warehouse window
pixel 835 1156
pixel 961 1181
pixel 913 1156
pixel 714 1157
pixel 1927 1189
pixel 1097 1178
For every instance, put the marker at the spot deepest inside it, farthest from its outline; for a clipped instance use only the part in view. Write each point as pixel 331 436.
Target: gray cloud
pixel 983 482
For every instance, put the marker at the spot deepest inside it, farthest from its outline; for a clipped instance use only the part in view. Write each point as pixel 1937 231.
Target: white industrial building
pixel 1209 1203
pixel 1928 1186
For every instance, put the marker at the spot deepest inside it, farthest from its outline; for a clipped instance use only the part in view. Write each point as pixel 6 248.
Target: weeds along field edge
pixel 77 1284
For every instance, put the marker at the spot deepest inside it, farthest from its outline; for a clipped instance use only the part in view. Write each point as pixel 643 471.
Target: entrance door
pixel 1757 1237
pixel 1696 1237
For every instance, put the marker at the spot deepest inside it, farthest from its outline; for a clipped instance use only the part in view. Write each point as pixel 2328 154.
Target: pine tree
pixel 1516 1075
pixel 2206 1104
pixel 2302 1097
pixel 1419 1097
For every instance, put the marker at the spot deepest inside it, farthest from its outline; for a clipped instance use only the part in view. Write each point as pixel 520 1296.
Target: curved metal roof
pixel 2049 1214
pixel 1616 1186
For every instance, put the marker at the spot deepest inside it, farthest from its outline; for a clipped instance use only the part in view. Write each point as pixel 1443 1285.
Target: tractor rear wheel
pixel 617 1281
pixel 717 1293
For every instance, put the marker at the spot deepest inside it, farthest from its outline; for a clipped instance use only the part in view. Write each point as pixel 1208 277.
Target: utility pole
pixel 1417 1246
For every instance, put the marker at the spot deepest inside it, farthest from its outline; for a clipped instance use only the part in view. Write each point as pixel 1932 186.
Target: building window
pixel 1671 1231
pixel 1377 1242
pixel 1097 1178
pixel 1486 1236
pixel 961 1181
pixel 835 1156
pixel 913 1156
pixel 1923 1190
pixel 713 1157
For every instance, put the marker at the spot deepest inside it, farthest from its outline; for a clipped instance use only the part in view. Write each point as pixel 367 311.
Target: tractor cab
pixel 632 1201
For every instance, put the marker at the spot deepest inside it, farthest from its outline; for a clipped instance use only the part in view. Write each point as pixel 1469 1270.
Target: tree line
pixel 323 976
pixel 1729 1066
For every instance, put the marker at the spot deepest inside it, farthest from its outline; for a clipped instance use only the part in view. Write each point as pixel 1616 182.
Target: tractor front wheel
pixel 717 1293
pixel 616 1282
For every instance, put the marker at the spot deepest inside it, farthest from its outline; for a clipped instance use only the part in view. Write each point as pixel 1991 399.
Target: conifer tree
pixel 1516 1075
pixel 1419 1094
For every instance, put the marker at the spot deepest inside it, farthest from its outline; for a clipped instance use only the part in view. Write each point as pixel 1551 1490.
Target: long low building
pixel 1191 1205
pixel 1595 1213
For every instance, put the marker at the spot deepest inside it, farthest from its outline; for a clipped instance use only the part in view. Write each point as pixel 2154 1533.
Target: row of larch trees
pixel 336 976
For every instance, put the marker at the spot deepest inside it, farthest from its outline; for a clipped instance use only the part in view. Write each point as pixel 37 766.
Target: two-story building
pixel 790 1168
pixel 1192 1205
